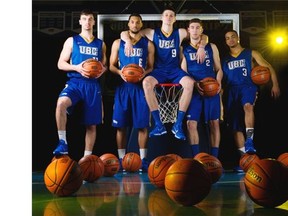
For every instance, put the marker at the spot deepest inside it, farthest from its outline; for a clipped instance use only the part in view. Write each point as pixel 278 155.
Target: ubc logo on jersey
pixel 137 52
pixel 236 64
pixel 193 56
pixel 166 44
pixel 88 50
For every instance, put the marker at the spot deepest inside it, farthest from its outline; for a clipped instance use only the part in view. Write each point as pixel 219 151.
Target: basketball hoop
pixel 168 96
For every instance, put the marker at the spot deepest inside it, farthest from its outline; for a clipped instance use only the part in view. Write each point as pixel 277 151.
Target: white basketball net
pixel 168 96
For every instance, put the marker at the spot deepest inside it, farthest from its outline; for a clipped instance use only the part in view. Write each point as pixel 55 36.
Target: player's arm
pixel 201 51
pixel 103 60
pixel 147 32
pixel 217 65
pixel 64 59
pixel 183 64
pixel 124 35
pixel 204 40
pixel 275 91
pixel 184 35
pixel 114 64
pixel 114 59
pixel 104 56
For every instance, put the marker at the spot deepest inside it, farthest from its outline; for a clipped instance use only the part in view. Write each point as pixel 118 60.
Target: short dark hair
pixel 169 8
pixel 87 12
pixel 231 30
pixel 195 20
pixel 135 14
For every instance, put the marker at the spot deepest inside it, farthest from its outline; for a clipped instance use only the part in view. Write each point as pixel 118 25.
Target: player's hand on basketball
pixel 143 75
pixel 200 55
pixel 128 48
pixel 104 68
pixel 83 71
pixel 199 89
pixel 122 75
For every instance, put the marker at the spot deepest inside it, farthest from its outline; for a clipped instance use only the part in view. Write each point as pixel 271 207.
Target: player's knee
pixel 148 83
pixel 248 107
pixel 187 83
pixel 63 103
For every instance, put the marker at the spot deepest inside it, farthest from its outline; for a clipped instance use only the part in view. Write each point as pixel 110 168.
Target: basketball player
pixel 130 107
pixel 210 106
pixel 80 87
pixel 241 91
pixel 167 41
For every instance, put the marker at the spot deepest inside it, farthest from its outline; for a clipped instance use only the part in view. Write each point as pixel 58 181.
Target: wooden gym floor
pixel 132 194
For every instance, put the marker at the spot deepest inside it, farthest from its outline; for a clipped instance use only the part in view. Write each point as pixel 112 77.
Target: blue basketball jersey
pixel 83 51
pixel 167 49
pixel 237 70
pixel 130 105
pixel 240 88
pixel 138 56
pixel 209 106
pixel 196 70
pixel 79 88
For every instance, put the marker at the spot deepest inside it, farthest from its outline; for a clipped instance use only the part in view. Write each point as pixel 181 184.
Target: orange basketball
pixel 132 72
pixel 175 156
pixel 111 164
pixel 92 167
pixel 210 86
pixel 158 168
pixel 187 182
pixel 60 156
pixel 95 67
pixel 246 160
pixel 283 158
pixel 266 182
pixel 63 176
pixel 131 162
pixel 212 164
pixel 260 75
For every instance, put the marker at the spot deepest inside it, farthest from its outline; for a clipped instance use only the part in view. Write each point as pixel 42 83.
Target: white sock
pixel 121 153
pixel 143 153
pixel 87 152
pixel 62 135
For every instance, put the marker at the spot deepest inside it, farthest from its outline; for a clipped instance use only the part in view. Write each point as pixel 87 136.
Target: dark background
pixel 47 81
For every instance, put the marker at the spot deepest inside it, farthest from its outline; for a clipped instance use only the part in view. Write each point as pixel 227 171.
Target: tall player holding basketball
pixel 210 106
pixel 130 106
pixel 80 87
pixel 167 41
pixel 241 91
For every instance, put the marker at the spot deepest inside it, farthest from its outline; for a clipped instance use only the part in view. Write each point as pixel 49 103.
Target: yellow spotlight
pixel 279 40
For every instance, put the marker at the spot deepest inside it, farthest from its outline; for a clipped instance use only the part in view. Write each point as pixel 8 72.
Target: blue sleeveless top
pixel 82 51
pixel 196 70
pixel 167 49
pixel 237 70
pixel 139 54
